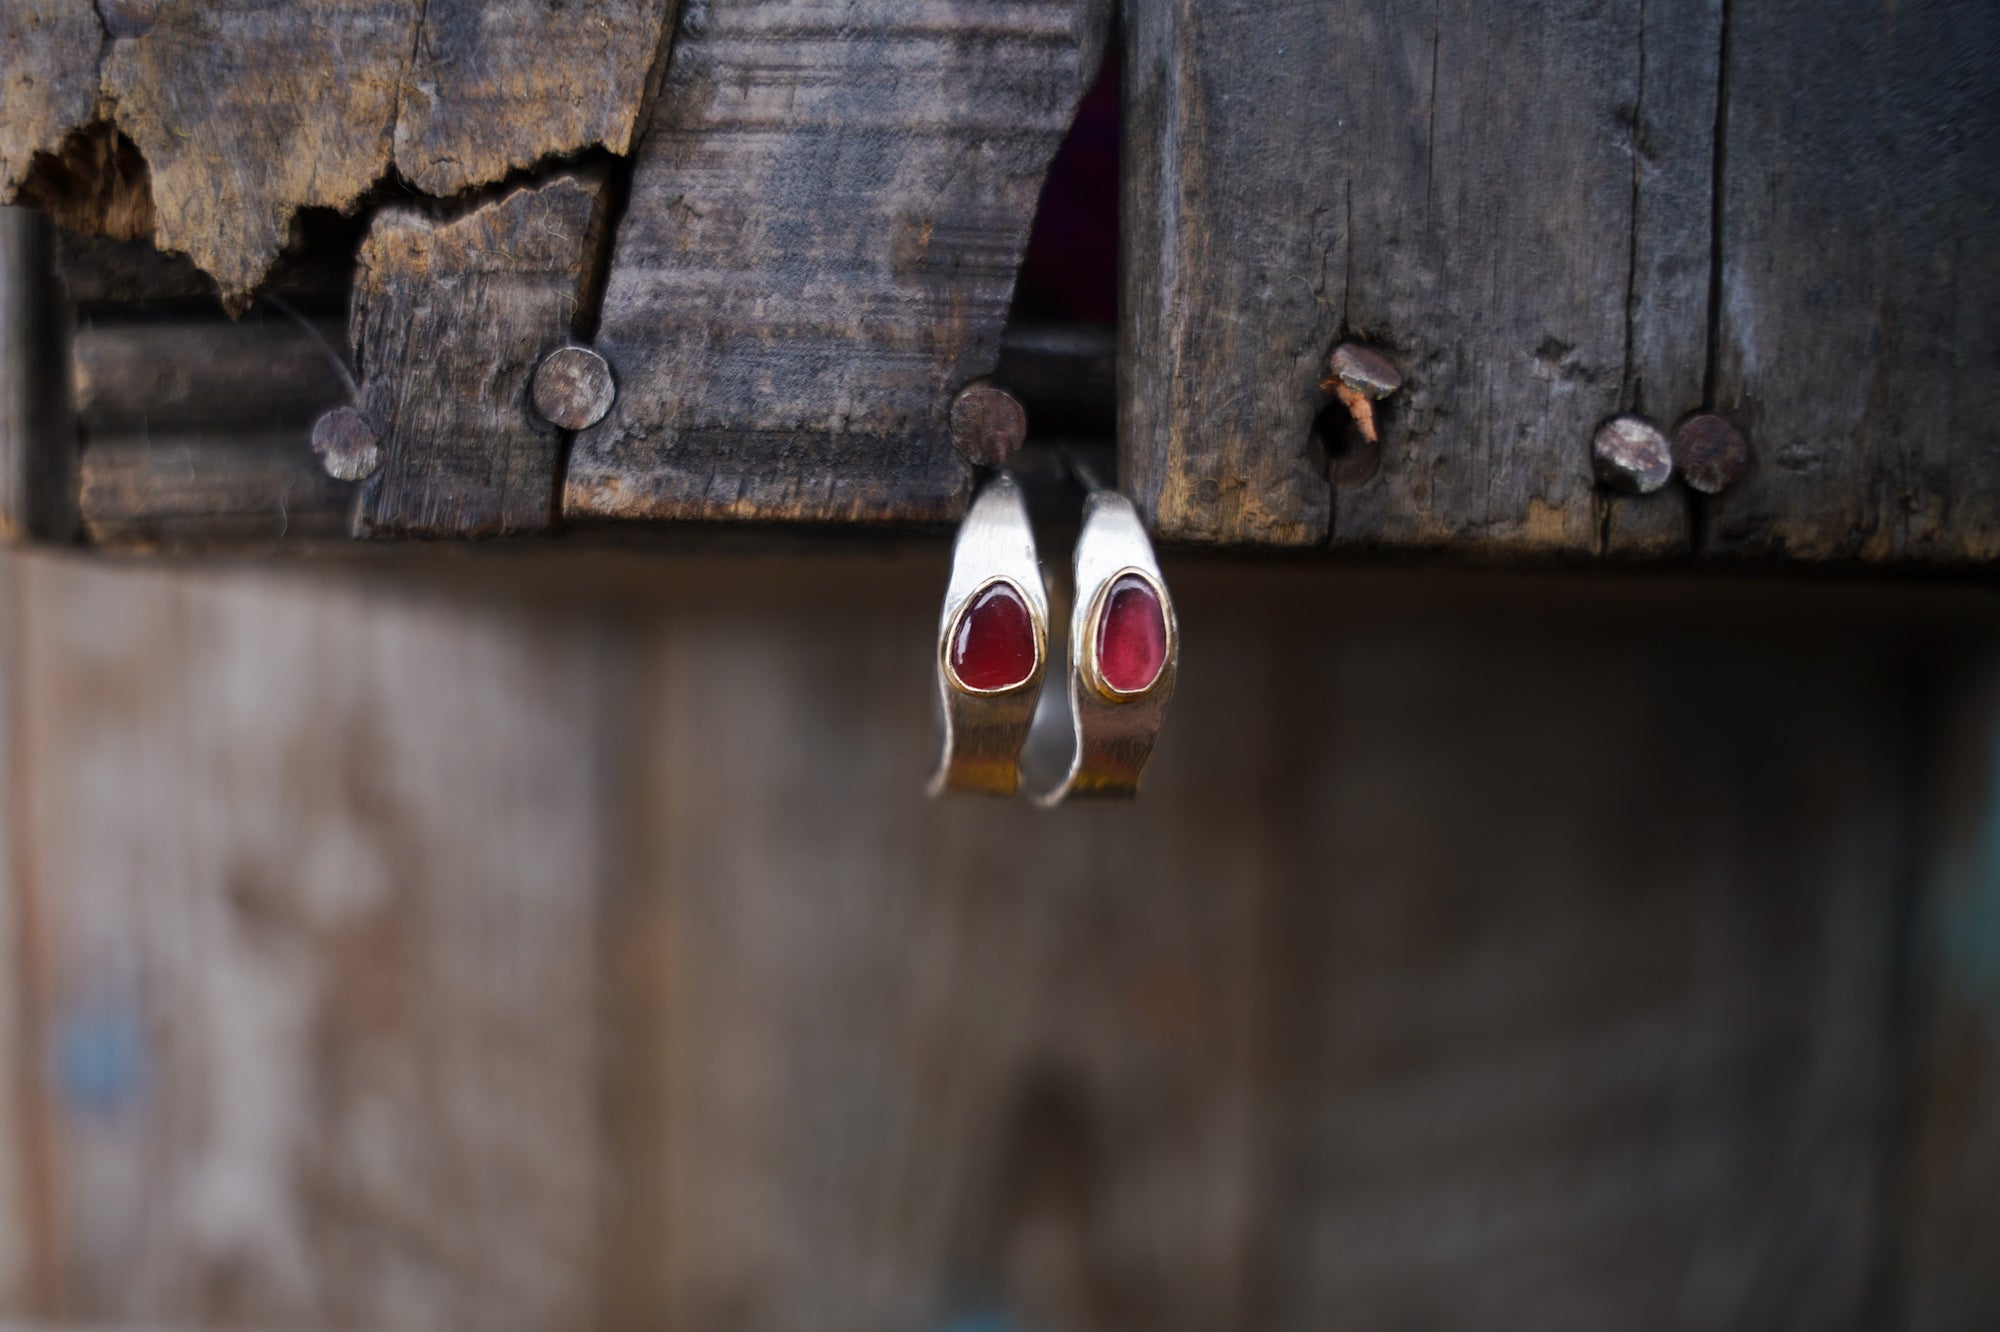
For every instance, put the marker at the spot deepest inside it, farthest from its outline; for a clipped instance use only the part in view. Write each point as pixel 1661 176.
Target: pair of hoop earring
pixel 999 725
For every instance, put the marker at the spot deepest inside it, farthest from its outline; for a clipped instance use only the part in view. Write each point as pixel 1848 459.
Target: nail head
pixel 1631 454
pixel 574 388
pixel 346 445
pixel 1364 370
pixel 988 424
pixel 1710 452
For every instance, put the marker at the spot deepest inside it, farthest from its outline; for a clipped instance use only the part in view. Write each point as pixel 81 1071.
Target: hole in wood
pixel 1351 456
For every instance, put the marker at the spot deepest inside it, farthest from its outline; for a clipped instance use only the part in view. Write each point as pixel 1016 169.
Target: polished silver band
pixel 984 729
pixel 1099 746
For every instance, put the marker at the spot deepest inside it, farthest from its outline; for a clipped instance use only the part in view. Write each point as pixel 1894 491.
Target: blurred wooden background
pixel 1505 951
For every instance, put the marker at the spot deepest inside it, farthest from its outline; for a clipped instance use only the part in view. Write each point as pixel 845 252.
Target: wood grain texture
pixel 242 113
pixel 1856 346
pixel 320 946
pixel 494 88
pixel 262 373
pixel 251 492
pixel 1666 302
pixel 1662 1100
pixel 1451 184
pixel 194 433
pixel 449 321
pixel 48 85
pixel 1264 1050
pixel 826 215
pixel 430 958
pixel 247 112
pixel 921 1062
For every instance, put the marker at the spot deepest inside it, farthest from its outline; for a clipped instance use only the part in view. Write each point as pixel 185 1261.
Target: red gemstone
pixel 993 646
pixel 1131 636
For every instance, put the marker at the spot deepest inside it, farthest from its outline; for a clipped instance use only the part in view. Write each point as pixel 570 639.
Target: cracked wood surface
pixel 450 320
pixel 493 88
pixel 1544 223
pixel 826 217
pixel 246 112
pixel 48 85
pixel 1524 213
pixel 1457 186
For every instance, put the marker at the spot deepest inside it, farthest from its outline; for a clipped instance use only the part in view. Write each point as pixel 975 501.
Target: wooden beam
pixel 499 87
pixel 50 84
pixel 1466 191
pixel 820 248
pixel 450 320
pixel 250 492
pixel 246 112
pixel 319 947
pixel 1856 342
pixel 264 373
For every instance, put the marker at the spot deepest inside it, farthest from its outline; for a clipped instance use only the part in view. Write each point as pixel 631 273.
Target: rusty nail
pixel 1360 407
pixel 1365 370
pixel 127 18
pixel 1360 377
pixel 346 446
pixel 1631 454
pixel 1710 452
pixel 573 388
pixel 988 424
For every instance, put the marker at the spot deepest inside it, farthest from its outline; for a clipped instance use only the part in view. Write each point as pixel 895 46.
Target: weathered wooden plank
pixel 1565 1070
pixel 342 870
pixel 826 215
pixel 1856 341
pixel 320 940
pixel 195 433
pixel 449 322
pixel 173 375
pixel 1264 1045
pixel 494 88
pixel 1453 184
pixel 48 86
pixel 37 434
pixel 916 1062
pixel 1673 211
pixel 247 111
pixel 253 492
pixel 194 429
pixel 243 113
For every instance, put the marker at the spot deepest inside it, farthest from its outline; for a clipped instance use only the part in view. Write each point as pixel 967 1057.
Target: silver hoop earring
pixel 1124 655
pixel 992 645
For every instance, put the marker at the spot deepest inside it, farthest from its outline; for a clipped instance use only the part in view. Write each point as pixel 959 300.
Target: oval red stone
pixel 993 646
pixel 1131 636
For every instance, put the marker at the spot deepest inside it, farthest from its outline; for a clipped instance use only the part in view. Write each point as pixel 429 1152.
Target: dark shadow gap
pixel 1061 332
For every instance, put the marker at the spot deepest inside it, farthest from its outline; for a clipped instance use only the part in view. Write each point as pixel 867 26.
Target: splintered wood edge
pixel 198 167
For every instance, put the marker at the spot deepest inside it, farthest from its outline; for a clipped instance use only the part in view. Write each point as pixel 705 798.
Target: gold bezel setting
pixel 964 608
pixel 1094 625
